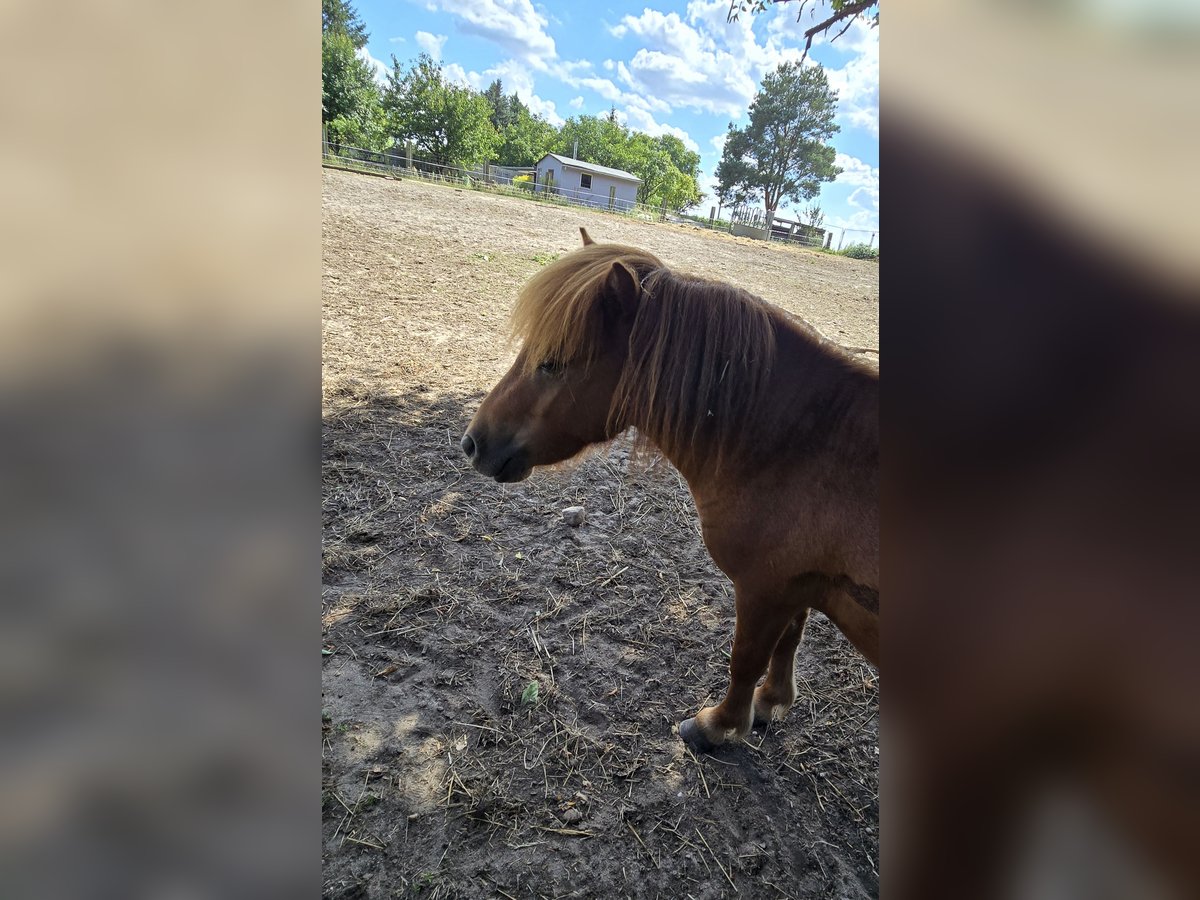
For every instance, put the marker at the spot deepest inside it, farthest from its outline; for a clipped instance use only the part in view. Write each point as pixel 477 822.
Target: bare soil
pixel 500 690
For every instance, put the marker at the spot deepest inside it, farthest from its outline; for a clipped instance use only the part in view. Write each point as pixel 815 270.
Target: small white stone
pixel 573 516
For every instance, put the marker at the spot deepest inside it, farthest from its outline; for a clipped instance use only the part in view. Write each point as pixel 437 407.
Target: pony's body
pixel 774 428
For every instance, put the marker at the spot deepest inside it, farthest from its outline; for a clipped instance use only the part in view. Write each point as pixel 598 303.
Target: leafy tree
pixel 601 141
pixel 669 171
pixel 449 124
pixel 515 106
pixel 526 140
pixel 848 11
pixel 501 115
pixel 505 108
pixel 815 216
pixel 679 191
pixel 782 152
pixel 339 17
pixel 350 99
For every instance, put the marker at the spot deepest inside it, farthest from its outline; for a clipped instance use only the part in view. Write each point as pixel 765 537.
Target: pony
pixel 775 429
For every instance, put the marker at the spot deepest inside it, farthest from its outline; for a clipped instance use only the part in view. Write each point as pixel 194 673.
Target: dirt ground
pixel 500 690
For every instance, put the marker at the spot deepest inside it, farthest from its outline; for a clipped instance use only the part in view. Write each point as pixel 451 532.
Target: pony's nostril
pixel 468 445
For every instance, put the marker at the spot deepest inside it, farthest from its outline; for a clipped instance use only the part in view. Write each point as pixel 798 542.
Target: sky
pixel 667 67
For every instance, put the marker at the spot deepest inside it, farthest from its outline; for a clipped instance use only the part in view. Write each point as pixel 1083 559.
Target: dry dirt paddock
pixel 500 691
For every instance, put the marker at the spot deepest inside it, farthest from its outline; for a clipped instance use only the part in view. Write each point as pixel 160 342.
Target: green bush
pixel 861 251
pixel 524 182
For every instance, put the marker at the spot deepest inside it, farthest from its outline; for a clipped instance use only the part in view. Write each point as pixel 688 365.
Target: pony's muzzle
pixel 503 460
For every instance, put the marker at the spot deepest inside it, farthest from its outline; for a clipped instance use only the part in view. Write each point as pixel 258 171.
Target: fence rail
pixel 523 181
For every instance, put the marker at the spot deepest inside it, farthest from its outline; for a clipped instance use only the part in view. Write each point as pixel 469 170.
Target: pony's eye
pixel 550 367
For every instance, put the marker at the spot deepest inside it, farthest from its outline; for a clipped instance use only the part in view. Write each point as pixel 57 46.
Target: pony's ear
pixel 621 289
pixel 587 238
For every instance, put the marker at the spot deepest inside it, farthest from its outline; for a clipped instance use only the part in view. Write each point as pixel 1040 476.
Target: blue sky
pixel 667 67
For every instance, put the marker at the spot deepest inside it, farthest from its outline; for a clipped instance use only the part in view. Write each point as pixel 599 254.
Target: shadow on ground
pixel 500 690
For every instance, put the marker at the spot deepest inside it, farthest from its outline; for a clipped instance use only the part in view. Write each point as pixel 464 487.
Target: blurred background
pixel 1040 329
pixel 159 356
pixel 159 349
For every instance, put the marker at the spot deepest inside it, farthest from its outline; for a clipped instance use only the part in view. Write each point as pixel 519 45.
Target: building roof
pixel 593 168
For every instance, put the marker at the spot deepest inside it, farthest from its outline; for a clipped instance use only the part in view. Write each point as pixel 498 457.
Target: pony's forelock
pixel 556 314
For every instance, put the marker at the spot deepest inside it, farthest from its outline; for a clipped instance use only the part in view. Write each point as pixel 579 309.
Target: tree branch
pixel 850 11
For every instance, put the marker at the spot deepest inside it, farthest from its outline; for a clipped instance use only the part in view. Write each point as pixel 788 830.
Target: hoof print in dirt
pixel 574 515
pixel 694 737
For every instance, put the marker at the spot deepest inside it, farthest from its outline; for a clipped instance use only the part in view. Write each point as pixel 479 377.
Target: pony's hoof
pixel 768 715
pixel 693 735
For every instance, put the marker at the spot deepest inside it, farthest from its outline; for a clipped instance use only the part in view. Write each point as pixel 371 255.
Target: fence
pixel 401 163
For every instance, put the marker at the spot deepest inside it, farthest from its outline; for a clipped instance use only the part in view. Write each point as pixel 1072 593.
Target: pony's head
pixel 574 318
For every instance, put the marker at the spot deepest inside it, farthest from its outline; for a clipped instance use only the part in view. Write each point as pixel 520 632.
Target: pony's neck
pixel 814 399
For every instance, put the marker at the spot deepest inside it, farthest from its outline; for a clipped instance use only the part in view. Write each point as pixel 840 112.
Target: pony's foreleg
pixel 761 620
pixel 775 696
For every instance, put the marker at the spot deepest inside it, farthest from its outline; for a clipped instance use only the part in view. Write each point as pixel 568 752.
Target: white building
pixel 587 183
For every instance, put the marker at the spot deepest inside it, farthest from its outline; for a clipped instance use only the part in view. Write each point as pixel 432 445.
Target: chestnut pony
pixel 774 428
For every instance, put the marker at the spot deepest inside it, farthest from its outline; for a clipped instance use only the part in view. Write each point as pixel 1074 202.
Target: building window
pixel 585 181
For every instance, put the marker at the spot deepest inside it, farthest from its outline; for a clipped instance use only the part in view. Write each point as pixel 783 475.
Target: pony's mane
pixel 700 354
pixel 557 313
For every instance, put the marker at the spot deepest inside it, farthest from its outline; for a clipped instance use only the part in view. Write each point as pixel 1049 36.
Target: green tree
pixel 350 98
pixel 499 104
pixel 449 124
pixel 601 141
pixel 680 190
pixel 782 153
pixel 526 140
pixel 339 17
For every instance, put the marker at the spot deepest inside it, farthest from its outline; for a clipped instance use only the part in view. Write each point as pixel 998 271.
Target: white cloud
pixel 699 60
pixel 512 24
pixel 397 40
pixel 431 43
pixel 857 82
pixel 515 78
pixel 576 103
pixel 718 142
pixel 456 74
pixel 864 199
pixel 856 172
pixel 641 120
pixel 378 70
pixel 609 91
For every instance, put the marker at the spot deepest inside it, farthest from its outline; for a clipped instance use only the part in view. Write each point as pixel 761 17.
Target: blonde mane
pixel 557 316
pixel 699 358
